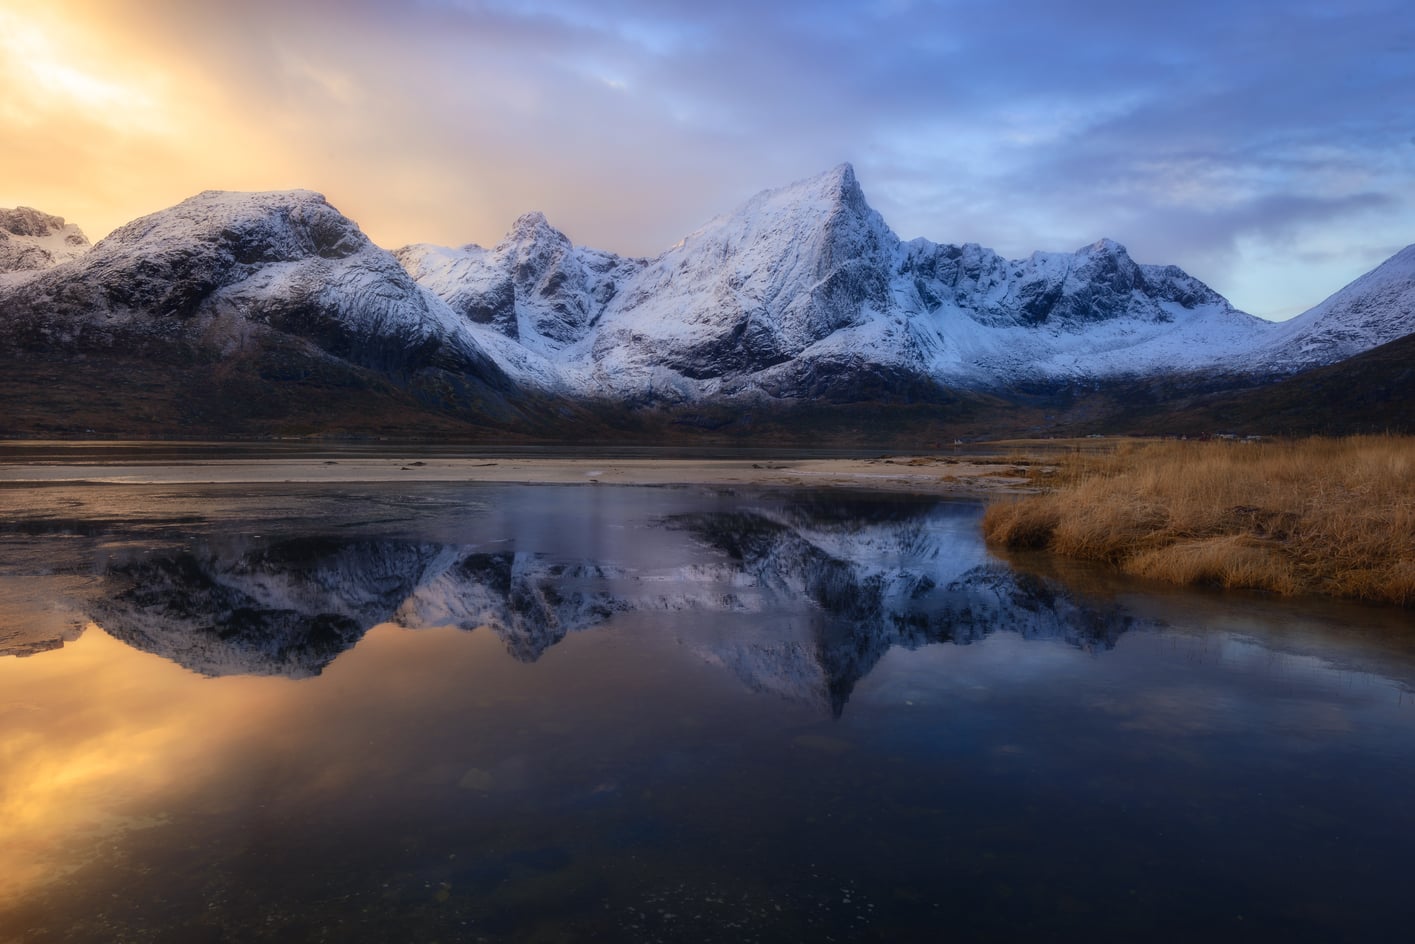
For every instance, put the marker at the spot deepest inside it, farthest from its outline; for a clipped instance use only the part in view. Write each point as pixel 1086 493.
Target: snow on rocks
pixel 801 292
pixel 31 240
pixel 1376 308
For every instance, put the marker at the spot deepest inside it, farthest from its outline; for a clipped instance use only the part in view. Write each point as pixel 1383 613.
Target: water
pixel 518 713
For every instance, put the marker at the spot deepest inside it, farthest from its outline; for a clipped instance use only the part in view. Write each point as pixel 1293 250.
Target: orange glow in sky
pixel 1273 164
pixel 102 126
pixel 114 109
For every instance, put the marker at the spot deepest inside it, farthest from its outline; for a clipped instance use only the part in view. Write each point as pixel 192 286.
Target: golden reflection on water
pixel 98 739
pixel 93 737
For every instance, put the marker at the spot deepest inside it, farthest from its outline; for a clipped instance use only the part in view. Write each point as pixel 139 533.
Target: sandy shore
pixel 925 474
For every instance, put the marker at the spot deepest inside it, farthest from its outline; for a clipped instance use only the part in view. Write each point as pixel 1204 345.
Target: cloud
pixel 1199 136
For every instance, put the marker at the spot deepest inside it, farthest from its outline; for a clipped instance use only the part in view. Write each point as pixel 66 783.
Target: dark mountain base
pixel 289 395
pixel 287 390
pixel 282 394
pixel 1372 392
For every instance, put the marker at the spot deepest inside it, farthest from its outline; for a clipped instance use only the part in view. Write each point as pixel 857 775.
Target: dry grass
pixel 1332 516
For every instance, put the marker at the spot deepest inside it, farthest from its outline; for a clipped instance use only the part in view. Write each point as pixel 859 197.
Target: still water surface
pixel 456 713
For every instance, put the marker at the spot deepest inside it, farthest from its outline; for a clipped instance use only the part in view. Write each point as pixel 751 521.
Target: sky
pixel 1267 148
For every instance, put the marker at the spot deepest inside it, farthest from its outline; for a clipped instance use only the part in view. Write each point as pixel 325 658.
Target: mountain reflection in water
pixel 835 586
pixel 277 727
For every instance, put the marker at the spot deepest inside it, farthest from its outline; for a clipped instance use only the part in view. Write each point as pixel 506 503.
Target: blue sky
pixel 1266 147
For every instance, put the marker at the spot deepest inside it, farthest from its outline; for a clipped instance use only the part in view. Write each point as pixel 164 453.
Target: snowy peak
pixel 533 232
pixel 27 221
pixel 222 269
pixel 1102 281
pixel 805 291
pixel 749 290
pixel 824 198
pixel 174 262
pixel 31 240
pixel 252 228
pixel 1375 309
pixel 560 289
pixel 1105 261
pixel 1105 246
pixel 836 188
pixel 260 255
pixel 802 293
pixel 829 211
pixel 754 288
pixel 535 287
pixel 848 187
pixel 1066 291
pixel 1400 265
pixel 535 255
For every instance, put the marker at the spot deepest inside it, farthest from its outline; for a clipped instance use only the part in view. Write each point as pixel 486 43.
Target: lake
pixel 465 712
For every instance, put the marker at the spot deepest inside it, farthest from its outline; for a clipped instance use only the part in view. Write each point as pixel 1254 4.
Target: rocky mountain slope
pixel 1375 309
pixel 220 267
pixel 804 291
pixel 800 299
pixel 31 240
pixel 276 295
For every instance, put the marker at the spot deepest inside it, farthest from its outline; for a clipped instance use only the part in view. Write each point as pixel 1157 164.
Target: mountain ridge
pixel 801 295
pixel 31 240
pixel 721 311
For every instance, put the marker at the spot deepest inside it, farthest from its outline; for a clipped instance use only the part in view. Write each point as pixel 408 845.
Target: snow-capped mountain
pixel 533 287
pixel 1094 313
pixel 31 240
pixel 742 303
pixel 220 269
pixel 801 295
pixel 536 293
pixel 1376 308
pixel 805 291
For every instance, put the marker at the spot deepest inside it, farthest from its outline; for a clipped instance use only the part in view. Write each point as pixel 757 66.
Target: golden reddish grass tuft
pixel 1333 516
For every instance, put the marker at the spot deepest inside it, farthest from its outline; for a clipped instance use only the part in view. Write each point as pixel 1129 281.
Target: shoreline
pixel 1334 517
pixel 944 475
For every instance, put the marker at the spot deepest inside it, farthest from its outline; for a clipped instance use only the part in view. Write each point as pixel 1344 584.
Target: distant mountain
pixel 533 287
pixel 799 314
pixel 31 240
pixel 268 298
pixel 805 292
pixel 1377 308
pixel 220 267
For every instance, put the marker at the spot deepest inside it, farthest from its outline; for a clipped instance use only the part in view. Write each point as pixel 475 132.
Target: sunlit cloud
pixel 44 72
pixel 1229 140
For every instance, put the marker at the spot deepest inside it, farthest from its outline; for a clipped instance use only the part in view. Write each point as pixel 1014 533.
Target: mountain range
pixel 799 316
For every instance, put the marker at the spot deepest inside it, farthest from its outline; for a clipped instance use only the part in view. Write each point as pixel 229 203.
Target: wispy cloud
pixel 1239 139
